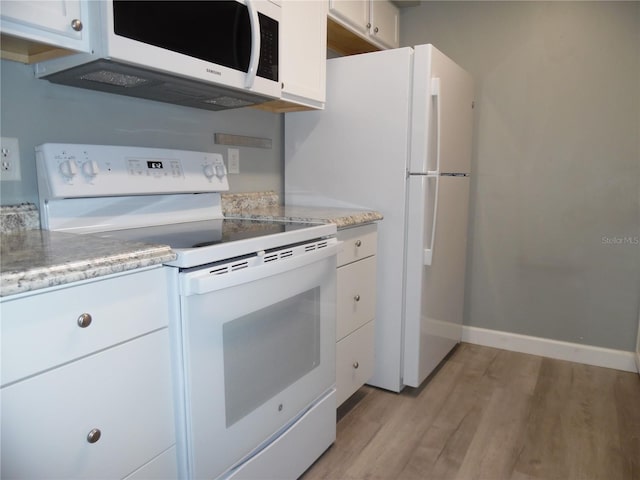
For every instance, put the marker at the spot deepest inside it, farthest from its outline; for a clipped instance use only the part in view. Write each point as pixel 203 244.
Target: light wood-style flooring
pixel 492 414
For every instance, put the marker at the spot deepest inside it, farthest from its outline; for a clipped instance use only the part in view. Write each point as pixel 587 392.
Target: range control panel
pixel 75 170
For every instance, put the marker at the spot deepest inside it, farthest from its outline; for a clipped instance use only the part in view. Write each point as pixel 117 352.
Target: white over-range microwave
pixel 205 54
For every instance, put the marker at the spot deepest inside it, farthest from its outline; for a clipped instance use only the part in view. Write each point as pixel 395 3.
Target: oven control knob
pixel 220 171
pixel 90 168
pixel 68 169
pixel 209 171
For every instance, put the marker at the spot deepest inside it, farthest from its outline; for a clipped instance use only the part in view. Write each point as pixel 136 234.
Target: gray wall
pixel 555 220
pixel 36 111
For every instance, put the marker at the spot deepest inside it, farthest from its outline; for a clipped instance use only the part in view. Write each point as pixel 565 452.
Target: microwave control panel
pixel 73 170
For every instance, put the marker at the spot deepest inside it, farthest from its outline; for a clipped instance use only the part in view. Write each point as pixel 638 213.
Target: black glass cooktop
pixel 205 233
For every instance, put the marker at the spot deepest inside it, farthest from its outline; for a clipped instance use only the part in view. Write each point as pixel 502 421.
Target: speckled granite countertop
pixel 342 217
pixel 34 259
pixel 31 259
pixel 19 217
pixel 265 206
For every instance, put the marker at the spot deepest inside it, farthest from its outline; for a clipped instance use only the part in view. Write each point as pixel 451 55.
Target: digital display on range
pixel 155 167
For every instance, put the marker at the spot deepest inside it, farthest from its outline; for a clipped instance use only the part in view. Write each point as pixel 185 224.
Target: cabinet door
pixel 304 52
pixel 124 391
pixel 385 23
pixel 356 295
pixel 42 331
pixel 355 13
pixel 53 23
pixel 357 243
pixel 354 361
pixel 163 467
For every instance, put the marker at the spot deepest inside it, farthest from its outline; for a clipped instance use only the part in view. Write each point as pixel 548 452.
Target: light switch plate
pixel 234 160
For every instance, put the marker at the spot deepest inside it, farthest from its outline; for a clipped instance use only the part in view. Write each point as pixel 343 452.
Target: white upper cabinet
pixel 385 19
pixel 31 30
pixel 353 13
pixel 303 52
pixel 375 23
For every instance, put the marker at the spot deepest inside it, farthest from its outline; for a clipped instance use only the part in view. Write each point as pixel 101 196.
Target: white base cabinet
pixel 354 361
pixel 356 307
pixel 86 381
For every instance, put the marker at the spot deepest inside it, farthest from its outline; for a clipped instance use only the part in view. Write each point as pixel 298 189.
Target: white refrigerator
pixel 395 136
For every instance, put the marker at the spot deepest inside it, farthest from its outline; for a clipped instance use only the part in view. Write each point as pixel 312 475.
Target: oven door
pixel 258 350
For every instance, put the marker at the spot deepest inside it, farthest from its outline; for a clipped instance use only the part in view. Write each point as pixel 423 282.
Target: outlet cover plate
pixel 9 159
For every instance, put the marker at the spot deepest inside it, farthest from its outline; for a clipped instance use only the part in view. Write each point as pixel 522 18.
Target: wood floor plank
pixel 572 429
pixel 492 414
pixel 499 437
pixel 354 431
pixel 387 454
pixel 627 402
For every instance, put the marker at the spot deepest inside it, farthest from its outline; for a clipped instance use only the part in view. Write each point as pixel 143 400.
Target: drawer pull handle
pixel 356 365
pixel 76 25
pixel 358 243
pixel 357 298
pixel 84 320
pixel 94 435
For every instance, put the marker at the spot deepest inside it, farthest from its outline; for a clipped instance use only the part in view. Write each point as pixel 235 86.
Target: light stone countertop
pixel 24 216
pixel 32 259
pixel 266 206
pixel 341 217
pixel 35 259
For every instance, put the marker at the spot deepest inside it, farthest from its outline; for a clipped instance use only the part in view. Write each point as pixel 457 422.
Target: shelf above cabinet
pixel 362 26
pixel 27 51
pixel 282 106
pixel 345 42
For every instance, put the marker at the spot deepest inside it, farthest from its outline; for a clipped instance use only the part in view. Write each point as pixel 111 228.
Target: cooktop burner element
pixel 212 240
pixel 205 233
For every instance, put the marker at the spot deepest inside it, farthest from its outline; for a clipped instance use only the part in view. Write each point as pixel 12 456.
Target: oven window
pixel 268 350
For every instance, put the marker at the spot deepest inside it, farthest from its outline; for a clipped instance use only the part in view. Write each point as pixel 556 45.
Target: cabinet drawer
pixel 359 242
pixel 42 331
pixel 163 467
pixel 354 361
pixel 356 287
pixel 124 391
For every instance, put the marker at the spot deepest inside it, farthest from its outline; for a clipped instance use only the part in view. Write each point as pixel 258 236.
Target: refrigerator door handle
pixel 428 251
pixel 435 94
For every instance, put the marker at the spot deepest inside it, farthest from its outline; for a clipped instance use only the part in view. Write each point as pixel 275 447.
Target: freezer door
pixel 434 292
pixel 442 120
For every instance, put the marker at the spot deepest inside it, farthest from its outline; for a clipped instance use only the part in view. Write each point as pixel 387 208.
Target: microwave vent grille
pixel 114 78
pixel 134 81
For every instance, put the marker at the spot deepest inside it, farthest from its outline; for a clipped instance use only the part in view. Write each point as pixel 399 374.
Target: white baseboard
pixel 572 352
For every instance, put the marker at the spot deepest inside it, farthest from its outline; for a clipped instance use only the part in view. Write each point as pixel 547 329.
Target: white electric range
pixel 253 302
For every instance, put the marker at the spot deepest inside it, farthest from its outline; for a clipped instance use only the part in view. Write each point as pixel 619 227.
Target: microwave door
pixel 216 32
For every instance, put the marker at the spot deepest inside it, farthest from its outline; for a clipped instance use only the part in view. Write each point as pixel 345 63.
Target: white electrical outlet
pixel 234 160
pixel 9 159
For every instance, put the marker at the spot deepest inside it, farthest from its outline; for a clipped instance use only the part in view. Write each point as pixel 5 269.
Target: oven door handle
pixel 204 281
